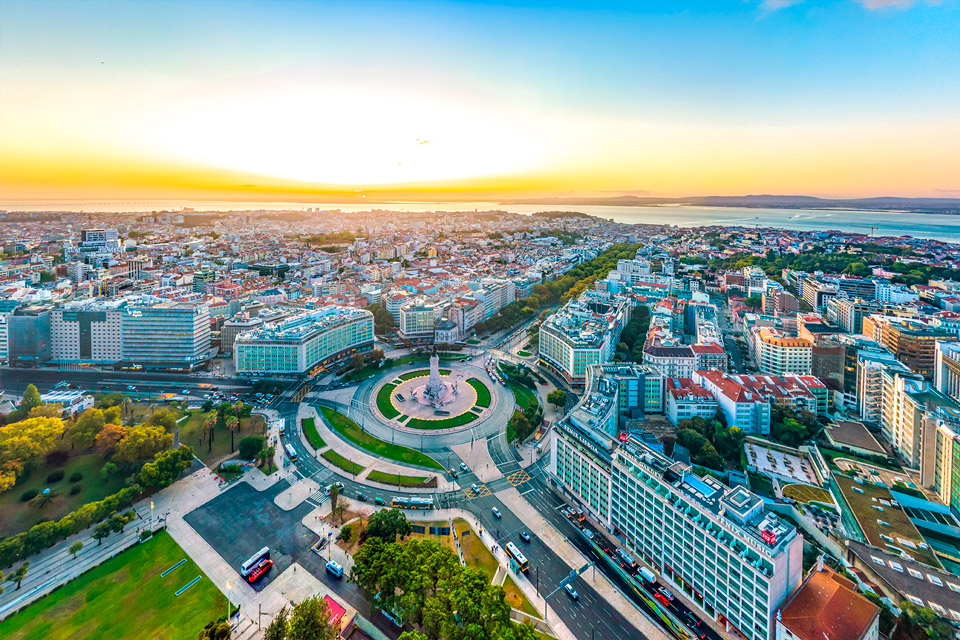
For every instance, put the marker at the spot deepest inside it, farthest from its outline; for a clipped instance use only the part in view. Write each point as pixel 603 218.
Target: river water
pixel 883 223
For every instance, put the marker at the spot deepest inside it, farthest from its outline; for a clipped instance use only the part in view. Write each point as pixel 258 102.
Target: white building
pixel 947 368
pixel 418 318
pixel 718 546
pixel 304 343
pixel 87 332
pixel 777 354
pixel 686 400
pixel 166 335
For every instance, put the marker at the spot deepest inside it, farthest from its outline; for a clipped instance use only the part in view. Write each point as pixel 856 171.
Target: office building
pixel 89 331
pixel 913 343
pixel 417 319
pixel 304 343
pixel 234 327
pixel 166 335
pixel 718 546
pixel 28 336
pixel 686 399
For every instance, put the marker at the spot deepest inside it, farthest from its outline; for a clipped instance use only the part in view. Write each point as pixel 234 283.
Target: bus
pixel 399 502
pixel 247 567
pixel 290 452
pixel 517 556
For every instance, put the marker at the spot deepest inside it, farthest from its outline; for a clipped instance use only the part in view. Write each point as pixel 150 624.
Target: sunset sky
pixel 478 100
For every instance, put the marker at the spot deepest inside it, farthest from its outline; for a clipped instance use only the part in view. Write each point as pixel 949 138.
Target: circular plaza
pixel 432 398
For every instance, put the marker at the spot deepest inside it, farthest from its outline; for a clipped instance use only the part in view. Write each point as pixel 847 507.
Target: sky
pixel 315 101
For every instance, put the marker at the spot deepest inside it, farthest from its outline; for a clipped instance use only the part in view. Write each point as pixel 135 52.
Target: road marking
pixel 518 478
pixel 526 492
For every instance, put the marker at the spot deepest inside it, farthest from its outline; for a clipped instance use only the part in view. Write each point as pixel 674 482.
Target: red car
pixel 661 599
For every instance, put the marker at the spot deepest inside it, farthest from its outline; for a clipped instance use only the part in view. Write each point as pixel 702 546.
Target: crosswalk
pixel 318 497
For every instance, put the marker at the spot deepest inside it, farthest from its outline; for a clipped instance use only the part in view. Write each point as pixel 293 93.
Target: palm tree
pixel 209 423
pixel 233 423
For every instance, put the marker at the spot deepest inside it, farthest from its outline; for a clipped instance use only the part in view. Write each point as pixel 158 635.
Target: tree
pixel 142 441
pixel 2 578
pixel 310 620
pixel 557 397
pixel 109 436
pixel 83 432
pixel 163 418
pixel 334 497
pixel 215 631
pixel 921 622
pixel 207 406
pixel 250 447
pixel 753 302
pixel 31 399
pixel 111 415
pixel 277 629
pixel 165 467
pixel 25 442
pixel 48 410
pixel 75 548
pixel 233 423
pixel 21 573
pixel 107 470
pixel 101 531
pixel 387 524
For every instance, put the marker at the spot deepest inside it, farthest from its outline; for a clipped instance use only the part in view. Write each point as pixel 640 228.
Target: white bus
pixel 254 560
pixel 514 552
pixel 290 452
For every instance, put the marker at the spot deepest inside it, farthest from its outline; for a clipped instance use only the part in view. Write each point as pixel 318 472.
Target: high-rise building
pixel 946 463
pixel 913 343
pixel 909 405
pixel 304 343
pixel 582 333
pixel 89 331
pixel 718 546
pixel 418 318
pixel 947 368
pixel 777 354
pixel 28 336
pixel 166 335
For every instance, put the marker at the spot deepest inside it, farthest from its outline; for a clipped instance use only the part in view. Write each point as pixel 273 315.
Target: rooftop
pixel 304 326
pixel 825 607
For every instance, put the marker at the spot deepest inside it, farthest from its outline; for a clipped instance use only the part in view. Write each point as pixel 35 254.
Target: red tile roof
pixel 826 608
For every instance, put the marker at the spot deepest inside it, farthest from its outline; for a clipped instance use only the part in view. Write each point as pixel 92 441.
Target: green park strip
pixel 442 423
pixel 395 479
pixel 310 430
pixel 483 394
pixel 347 465
pixel 125 597
pixel 385 401
pixel 524 354
pixel 409 375
pixel 352 432
pixel 526 399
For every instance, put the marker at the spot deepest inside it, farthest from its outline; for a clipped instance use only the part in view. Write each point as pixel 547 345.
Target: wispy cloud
pixel 776 5
pixel 901 5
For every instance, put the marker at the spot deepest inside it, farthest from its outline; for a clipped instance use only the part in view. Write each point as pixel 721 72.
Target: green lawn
pixel 483 394
pixel 526 399
pixel 352 432
pixel 761 484
pixel 310 430
pixel 124 598
pixel 393 478
pixel 347 465
pixel 194 435
pixel 442 423
pixel 409 375
pixel 17 516
pixel 385 401
pixel 524 354
pixel 472 341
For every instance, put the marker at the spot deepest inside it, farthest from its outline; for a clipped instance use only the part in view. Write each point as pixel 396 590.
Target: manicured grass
pixel 472 341
pixel 475 554
pixel 310 430
pixel 347 465
pixel 831 455
pixel 123 598
pixel 442 423
pixel 524 354
pixel 352 432
pixel 194 435
pixel 409 375
pixel 761 485
pixel 393 478
pixel 17 516
pixel 516 599
pixel 483 394
pixel 806 493
pixel 526 399
pixel 385 401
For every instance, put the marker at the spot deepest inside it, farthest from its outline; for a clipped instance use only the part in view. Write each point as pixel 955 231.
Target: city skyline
pixel 314 101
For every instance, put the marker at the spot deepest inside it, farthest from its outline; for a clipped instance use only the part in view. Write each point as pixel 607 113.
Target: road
pixel 15 381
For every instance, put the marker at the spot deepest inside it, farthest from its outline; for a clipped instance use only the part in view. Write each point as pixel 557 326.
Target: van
pixel 335 569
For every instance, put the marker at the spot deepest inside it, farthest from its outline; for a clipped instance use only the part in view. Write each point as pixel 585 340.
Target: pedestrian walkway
pixel 477 457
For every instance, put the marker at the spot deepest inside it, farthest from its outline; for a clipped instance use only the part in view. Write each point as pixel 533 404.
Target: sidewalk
pixel 477 456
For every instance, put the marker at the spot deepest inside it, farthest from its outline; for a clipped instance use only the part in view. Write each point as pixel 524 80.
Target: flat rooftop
pixel 305 325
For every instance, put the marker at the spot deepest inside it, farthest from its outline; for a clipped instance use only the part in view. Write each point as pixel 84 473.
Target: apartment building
pixel 826 607
pixel 686 399
pixel 742 407
pixel 304 343
pixel 778 354
pixel 418 317
pixel 946 373
pixel 848 313
pixel 582 333
pixel 907 419
pixel 946 462
pixel 718 546
pixel 912 342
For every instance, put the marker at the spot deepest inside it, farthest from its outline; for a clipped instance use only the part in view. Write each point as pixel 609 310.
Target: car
pixel 131 388
pixel 525 536
pixel 185 392
pixel 464 467
pixel 571 591
pixel 453 473
pixel 666 593
pixel 475 488
pixel 378 501
pixel 335 568
pixel 362 497
pixel 661 599
pixel 496 513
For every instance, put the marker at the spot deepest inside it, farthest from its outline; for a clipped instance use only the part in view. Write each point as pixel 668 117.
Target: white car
pixel 496 513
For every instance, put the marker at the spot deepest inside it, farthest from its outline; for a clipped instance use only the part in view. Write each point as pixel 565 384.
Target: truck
pixel 647 575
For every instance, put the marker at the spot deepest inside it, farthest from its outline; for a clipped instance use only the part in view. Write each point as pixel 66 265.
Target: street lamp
pixel 227 594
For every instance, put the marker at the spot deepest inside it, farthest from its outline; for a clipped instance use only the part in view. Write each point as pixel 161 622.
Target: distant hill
pixel 927 205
